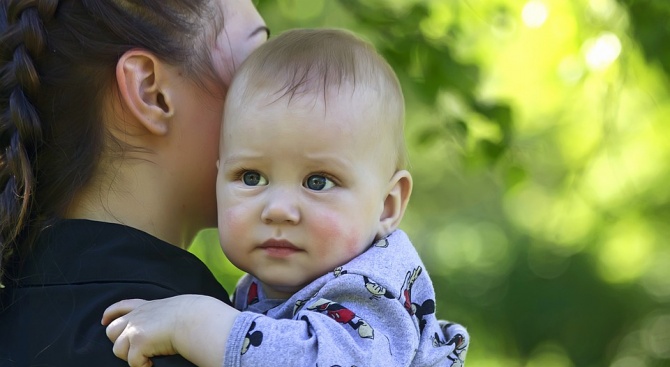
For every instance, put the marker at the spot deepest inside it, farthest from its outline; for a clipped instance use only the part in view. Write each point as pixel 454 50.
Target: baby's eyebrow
pixel 329 159
pixel 240 158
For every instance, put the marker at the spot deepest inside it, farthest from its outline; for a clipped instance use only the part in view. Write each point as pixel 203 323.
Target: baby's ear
pixel 395 203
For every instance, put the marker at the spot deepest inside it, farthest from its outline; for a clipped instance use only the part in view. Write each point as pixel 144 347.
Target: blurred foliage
pixel 651 28
pixel 538 140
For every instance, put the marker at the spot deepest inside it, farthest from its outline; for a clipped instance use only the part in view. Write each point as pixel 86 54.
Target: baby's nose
pixel 281 207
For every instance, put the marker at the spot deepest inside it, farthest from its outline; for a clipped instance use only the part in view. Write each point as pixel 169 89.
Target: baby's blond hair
pixel 304 63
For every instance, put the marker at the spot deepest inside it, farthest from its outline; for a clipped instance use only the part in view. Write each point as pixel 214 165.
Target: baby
pixel 311 189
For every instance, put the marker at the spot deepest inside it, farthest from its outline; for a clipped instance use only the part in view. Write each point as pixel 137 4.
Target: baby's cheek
pixel 334 231
pixel 232 236
pixel 231 224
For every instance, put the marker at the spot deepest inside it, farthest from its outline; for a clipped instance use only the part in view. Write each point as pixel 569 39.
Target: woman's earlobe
pixel 395 203
pixel 139 76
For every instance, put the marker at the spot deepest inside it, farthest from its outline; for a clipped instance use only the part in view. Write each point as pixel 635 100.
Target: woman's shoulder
pixel 78 252
pixel 77 270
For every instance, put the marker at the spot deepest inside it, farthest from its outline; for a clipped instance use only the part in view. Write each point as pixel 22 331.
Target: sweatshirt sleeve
pixel 344 324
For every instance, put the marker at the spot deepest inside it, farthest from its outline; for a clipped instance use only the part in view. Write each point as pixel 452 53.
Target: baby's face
pixel 300 188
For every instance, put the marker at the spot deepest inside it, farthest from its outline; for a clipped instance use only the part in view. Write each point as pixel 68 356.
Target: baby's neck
pixel 278 293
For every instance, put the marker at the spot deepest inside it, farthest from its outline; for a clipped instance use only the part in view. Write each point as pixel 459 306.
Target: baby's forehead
pixel 360 107
pixel 355 120
pixel 370 104
pixel 344 112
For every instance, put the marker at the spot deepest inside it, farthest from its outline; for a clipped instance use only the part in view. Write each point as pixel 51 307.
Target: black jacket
pixel 50 315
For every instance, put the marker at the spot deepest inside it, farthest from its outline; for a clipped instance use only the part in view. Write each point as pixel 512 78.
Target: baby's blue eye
pixel 253 178
pixel 318 183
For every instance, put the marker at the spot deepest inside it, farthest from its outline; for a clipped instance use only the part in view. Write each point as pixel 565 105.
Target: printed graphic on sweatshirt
pixel 458 343
pixel 406 289
pixel 421 311
pixel 343 316
pixel 376 290
pixel 383 243
pixel 298 305
pixel 253 338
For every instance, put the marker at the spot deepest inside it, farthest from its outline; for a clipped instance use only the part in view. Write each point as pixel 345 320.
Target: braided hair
pixel 57 62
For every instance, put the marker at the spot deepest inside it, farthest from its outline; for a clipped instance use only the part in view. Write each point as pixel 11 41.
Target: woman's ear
pixel 141 79
pixel 395 203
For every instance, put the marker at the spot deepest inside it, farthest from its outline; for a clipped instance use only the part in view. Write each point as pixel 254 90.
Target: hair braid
pixel 22 40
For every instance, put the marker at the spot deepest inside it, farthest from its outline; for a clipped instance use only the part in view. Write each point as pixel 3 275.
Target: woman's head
pixel 66 73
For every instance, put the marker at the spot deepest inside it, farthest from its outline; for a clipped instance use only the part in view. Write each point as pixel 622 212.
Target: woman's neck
pixel 136 196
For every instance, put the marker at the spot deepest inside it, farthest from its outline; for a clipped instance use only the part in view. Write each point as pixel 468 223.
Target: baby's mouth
pixel 279 248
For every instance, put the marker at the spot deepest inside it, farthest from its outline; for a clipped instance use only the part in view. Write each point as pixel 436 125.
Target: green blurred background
pixel 539 148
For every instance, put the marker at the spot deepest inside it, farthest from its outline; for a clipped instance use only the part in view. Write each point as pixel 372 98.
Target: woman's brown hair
pixel 57 61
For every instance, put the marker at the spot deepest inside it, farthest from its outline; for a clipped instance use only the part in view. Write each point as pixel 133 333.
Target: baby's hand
pixel 194 326
pixel 142 329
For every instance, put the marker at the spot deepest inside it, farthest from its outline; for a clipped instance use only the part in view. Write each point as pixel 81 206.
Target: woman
pixel 109 124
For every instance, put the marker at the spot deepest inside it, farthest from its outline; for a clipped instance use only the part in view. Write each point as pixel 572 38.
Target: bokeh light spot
pixel 626 251
pixel 656 280
pixel 534 14
pixel 525 206
pixel 657 336
pixel 602 51
pixel 549 355
pixel 482 246
pixel 603 9
pixel 629 361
